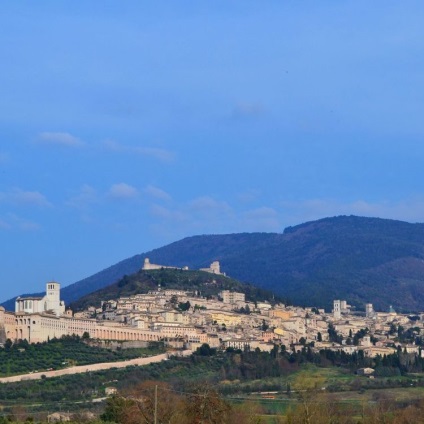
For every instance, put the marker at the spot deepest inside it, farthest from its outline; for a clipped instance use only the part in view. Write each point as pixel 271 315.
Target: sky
pixel 125 126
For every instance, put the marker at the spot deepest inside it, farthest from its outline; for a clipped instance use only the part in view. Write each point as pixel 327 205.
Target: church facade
pixel 38 319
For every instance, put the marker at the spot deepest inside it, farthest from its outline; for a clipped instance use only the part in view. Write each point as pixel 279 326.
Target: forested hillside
pixel 348 257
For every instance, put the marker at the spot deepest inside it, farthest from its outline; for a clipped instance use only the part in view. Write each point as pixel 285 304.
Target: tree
pixel 150 398
pixel 313 406
pixel 333 335
pixel 116 409
pixel 184 306
pixel 306 388
pixel 248 413
pixel 393 329
pixel 205 350
pixel 205 406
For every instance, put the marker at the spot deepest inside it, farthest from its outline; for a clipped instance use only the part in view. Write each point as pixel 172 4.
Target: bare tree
pixel 205 406
pixel 153 403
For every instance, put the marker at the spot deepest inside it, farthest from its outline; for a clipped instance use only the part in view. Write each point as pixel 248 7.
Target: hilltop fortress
pixel 147 266
pixel 214 267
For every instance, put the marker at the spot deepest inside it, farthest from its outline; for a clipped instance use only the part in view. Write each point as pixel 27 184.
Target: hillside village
pixel 186 319
pixel 230 321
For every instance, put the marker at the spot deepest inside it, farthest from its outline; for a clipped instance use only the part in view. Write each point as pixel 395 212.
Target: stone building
pixel 49 303
pixel 214 268
pixel 232 297
pixel 43 318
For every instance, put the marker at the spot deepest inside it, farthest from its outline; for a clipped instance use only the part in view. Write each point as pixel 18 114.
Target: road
pixel 94 367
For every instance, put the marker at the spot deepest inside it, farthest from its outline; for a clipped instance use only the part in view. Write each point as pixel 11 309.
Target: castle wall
pixel 149 266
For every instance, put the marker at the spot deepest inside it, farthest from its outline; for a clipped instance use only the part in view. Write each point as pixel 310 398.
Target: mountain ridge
pixel 359 259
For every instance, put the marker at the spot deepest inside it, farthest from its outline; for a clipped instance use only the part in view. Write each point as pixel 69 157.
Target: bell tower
pixel 52 299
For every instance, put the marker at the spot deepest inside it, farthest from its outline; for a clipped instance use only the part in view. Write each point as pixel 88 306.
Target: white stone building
pixel 49 303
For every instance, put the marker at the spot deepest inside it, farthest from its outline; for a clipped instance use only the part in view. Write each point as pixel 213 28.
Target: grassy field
pixel 315 382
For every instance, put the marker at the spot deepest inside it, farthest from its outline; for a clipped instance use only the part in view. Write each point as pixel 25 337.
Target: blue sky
pixel 128 125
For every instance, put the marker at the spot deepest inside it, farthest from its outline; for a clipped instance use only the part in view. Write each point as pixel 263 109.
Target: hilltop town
pixel 187 319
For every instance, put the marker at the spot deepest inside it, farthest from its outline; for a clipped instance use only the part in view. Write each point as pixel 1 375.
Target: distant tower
pixel 52 299
pixel 146 264
pixel 366 341
pixel 215 268
pixel 369 310
pixel 337 309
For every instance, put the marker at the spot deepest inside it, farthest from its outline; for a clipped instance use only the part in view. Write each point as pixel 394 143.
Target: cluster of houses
pixel 231 321
pixel 186 319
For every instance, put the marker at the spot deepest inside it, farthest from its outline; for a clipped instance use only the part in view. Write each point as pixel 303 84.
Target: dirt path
pixel 94 367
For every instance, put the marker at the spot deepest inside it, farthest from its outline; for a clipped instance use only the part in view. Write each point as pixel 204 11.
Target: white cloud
pixel 157 193
pixel 161 212
pixel 86 196
pixel 261 219
pixel 113 146
pixel 123 191
pixel 207 215
pixel 59 139
pixel 201 215
pixel 209 204
pixel 248 195
pixel 14 222
pixel 25 198
pixel 156 153
pixel 30 198
pixel 162 155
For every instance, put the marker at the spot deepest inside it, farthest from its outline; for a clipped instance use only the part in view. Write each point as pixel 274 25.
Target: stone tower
pixel 337 312
pixel 52 299
pixel 369 310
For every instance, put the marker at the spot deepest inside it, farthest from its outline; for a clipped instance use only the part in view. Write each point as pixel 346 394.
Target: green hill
pixel 354 258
